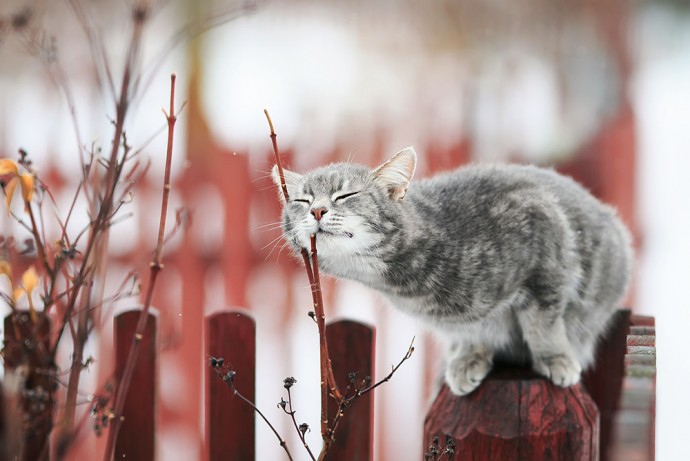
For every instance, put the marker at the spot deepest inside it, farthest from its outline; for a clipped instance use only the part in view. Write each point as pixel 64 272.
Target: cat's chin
pixel 331 244
pixel 327 233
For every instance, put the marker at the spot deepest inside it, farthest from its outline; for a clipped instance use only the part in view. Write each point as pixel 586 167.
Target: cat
pixel 504 262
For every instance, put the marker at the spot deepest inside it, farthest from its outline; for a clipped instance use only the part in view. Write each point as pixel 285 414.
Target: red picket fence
pixel 513 415
pixel 230 423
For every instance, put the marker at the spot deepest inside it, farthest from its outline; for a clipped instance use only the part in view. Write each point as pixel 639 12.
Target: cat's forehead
pixel 335 177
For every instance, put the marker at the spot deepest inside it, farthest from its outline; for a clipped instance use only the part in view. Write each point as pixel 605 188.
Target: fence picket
pixel 351 346
pixel 136 439
pixel 26 345
pixel 604 381
pixel 229 421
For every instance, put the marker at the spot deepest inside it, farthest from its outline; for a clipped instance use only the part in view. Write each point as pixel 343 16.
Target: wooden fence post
pixel 515 414
pixel 351 347
pixel 26 345
pixel 229 421
pixel 604 381
pixel 634 423
pixel 136 439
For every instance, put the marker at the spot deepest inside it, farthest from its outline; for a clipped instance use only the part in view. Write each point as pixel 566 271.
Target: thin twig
pixel 312 267
pixel 273 136
pixel 39 242
pixel 410 350
pixel 300 433
pixel 228 377
pixel 156 267
pixel 326 366
pixel 113 174
pixel 283 443
pixel 347 401
pixel 328 383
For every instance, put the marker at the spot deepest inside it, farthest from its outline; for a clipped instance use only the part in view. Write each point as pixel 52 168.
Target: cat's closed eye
pixel 344 196
pixel 301 200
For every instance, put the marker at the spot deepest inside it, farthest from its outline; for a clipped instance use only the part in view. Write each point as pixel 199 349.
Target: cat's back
pixel 485 188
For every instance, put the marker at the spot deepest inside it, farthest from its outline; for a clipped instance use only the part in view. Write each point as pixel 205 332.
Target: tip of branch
pixel 270 122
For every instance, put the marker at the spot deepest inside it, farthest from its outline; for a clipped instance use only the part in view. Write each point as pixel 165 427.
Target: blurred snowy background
pixel 480 80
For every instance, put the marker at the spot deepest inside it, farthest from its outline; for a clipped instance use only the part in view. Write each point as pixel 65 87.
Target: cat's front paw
pixel 562 369
pixel 464 374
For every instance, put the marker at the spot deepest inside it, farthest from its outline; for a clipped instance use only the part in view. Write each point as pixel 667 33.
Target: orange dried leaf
pixel 9 192
pixel 16 294
pixel 6 269
pixel 8 167
pixel 30 280
pixel 27 181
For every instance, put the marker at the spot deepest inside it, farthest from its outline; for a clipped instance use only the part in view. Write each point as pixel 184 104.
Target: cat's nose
pixel 318 212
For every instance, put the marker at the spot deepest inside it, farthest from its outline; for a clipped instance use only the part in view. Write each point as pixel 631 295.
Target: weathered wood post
pixel 26 353
pixel 633 430
pixel 351 346
pixel 515 414
pixel 230 431
pixel 136 439
pixel 604 381
pixel 518 415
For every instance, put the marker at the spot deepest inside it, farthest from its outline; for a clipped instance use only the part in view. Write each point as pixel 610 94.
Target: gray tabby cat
pixel 505 262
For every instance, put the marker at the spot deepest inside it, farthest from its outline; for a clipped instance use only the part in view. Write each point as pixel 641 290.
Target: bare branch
pixel 228 376
pixel 156 267
pixel 273 136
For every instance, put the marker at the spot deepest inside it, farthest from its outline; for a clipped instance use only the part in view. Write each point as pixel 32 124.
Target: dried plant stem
pixel 328 383
pixel 282 442
pixel 98 231
pixel 300 433
pixel 323 353
pixel 327 377
pixel 156 267
pixel 39 244
pixel 359 393
pixel 347 401
pixel 312 268
pixel 274 141
pixel 228 377
pixel 114 170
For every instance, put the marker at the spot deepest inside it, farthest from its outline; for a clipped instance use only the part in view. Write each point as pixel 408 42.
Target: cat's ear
pixel 291 180
pixel 395 175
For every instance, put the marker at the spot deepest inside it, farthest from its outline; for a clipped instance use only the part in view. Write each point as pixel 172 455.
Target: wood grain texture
pixel 351 346
pixel 136 439
pixel 517 415
pixel 230 428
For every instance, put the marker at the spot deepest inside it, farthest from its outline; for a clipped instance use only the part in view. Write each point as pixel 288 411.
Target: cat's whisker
pixel 263 189
pixel 282 247
pixel 264 175
pixel 351 156
pixel 287 238
pixel 272 242
pixel 270 226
